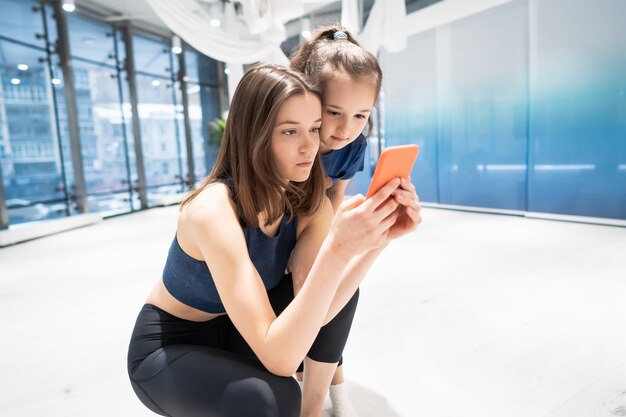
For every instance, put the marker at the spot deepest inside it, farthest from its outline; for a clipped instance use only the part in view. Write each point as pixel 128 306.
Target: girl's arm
pixel 281 342
pixel 337 193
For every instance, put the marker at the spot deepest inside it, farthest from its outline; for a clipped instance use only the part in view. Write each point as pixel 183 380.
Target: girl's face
pixel 295 137
pixel 346 109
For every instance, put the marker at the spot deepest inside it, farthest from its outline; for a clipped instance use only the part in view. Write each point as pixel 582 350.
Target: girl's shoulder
pixel 324 216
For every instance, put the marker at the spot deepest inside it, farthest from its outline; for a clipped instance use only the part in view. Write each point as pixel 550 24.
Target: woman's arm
pixel 405 219
pixel 281 342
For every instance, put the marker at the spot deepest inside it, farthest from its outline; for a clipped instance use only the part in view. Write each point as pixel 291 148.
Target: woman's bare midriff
pixel 160 297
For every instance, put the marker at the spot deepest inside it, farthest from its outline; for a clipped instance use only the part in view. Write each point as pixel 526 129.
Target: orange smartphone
pixel 394 161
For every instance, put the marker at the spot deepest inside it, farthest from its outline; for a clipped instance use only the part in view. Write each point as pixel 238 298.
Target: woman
pixel 222 333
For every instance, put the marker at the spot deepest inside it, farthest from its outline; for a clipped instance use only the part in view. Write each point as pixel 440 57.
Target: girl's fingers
pixel 414 215
pixel 406 198
pixel 406 184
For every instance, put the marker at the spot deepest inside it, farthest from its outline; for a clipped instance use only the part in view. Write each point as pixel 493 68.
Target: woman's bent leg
pixel 191 380
pixel 181 368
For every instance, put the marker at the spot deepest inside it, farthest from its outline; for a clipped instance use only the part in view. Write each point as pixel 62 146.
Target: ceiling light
pixel 156 83
pixel 215 23
pixel 176 45
pixel 306 28
pixel 68 5
pixel 22 67
pixel 56 81
pixel 15 81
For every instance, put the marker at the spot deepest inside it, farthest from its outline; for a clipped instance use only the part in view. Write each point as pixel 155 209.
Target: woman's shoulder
pixel 213 202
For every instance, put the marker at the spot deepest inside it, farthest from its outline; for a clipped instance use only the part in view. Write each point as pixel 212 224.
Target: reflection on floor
pixel 473 315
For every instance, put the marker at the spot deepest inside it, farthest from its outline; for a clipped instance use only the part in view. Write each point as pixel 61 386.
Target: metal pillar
pixel 4 212
pixel 132 87
pixel 63 49
pixel 182 72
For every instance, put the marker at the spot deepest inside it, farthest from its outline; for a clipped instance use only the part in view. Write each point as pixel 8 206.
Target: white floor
pixel 473 315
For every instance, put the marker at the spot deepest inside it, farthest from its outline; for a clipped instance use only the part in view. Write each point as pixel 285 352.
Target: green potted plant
pixel 216 130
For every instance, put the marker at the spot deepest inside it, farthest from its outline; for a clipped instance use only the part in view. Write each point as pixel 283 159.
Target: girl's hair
pixel 319 56
pixel 245 156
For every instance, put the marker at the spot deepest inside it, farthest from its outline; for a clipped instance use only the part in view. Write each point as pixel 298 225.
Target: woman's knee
pixel 256 397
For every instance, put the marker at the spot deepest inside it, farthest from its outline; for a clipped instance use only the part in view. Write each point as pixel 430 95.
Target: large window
pixel 31 161
pixel 98 90
pixel 37 144
pixel 163 150
pixel 203 96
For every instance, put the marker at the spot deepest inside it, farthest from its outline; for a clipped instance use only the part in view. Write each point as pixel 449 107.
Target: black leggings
pixel 182 368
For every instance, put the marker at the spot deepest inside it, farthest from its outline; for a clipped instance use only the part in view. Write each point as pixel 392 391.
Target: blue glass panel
pixel 482 70
pixel 90 40
pixel 29 151
pixel 20 22
pixel 578 130
pixel 151 56
pixel 410 98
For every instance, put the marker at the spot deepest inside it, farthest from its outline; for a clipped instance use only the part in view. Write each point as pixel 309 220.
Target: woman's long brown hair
pixel 245 156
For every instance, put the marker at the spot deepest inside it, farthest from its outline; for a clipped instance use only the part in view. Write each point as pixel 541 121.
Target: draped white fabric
pixel 350 16
pixel 386 27
pixel 190 20
pixel 259 36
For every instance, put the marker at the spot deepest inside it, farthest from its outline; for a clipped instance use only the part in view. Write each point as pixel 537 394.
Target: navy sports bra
pixel 190 282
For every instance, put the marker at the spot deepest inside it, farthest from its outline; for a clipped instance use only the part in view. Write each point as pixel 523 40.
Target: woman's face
pixel 295 137
pixel 347 106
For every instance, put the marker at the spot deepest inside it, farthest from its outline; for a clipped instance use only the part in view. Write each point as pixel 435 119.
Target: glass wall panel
pixel 460 93
pixel 35 149
pixel 102 137
pixel 106 162
pixel 203 96
pixel 152 56
pixel 157 115
pixel 20 23
pixel 578 136
pixel 483 109
pixel 411 103
pixel 29 151
pixel 530 110
pixel 161 136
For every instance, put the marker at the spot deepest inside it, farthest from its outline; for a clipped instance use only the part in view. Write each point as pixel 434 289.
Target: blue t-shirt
pixel 344 163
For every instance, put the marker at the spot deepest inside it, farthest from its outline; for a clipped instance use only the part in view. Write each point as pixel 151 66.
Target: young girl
pixel 222 333
pixel 350 78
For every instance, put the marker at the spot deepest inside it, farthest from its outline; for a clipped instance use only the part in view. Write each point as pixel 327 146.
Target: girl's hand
pixel 408 211
pixel 361 225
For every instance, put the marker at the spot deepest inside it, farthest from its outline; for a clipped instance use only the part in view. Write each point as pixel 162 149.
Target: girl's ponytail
pixel 333 48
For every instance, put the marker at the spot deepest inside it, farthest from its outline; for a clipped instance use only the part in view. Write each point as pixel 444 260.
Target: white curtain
pixel 270 15
pixel 257 38
pixel 256 35
pixel 350 15
pixel 190 20
pixel 386 27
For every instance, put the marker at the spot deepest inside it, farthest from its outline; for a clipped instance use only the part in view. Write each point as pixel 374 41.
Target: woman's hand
pixel 408 211
pixel 361 225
